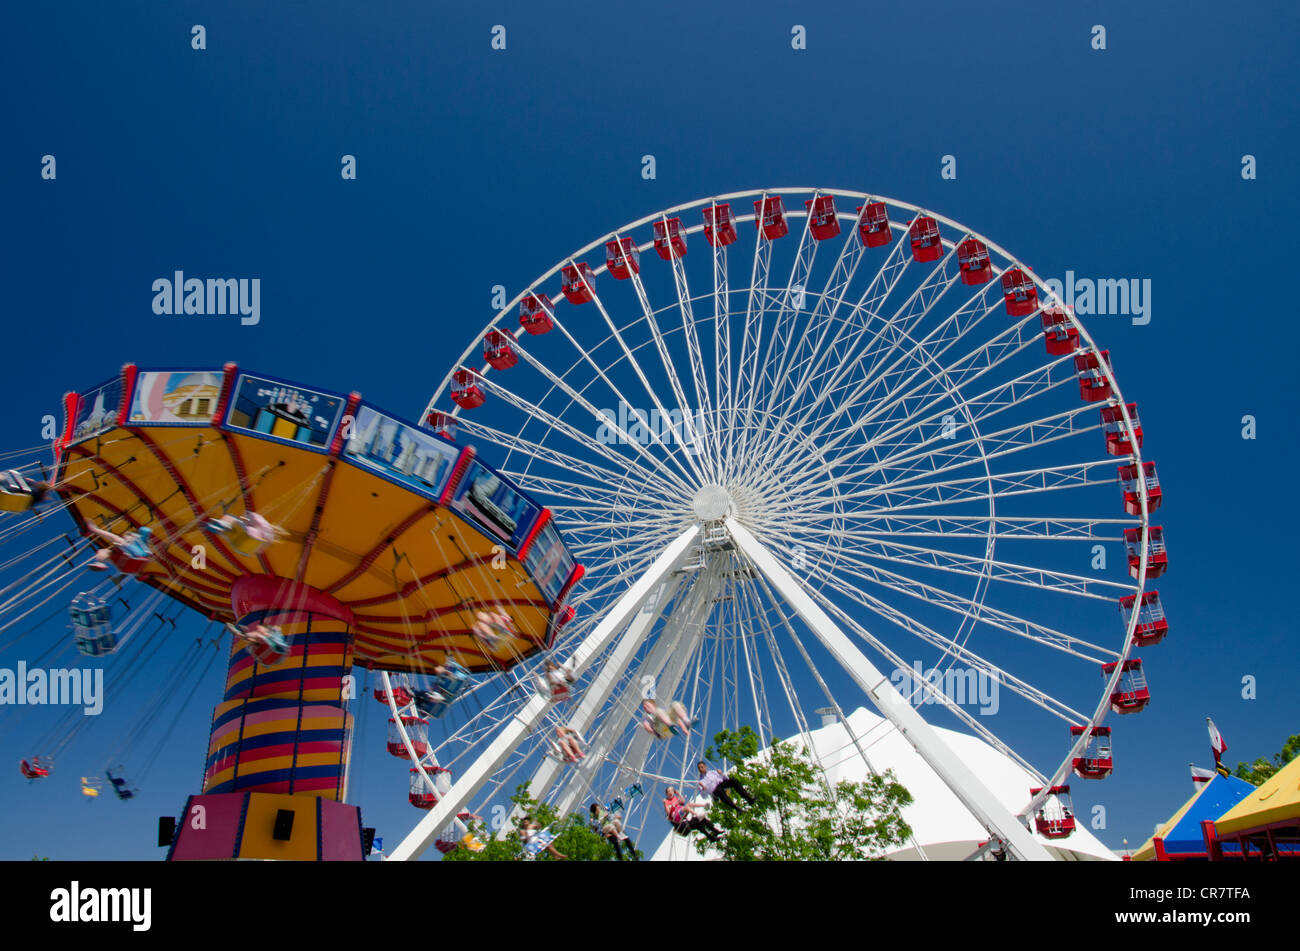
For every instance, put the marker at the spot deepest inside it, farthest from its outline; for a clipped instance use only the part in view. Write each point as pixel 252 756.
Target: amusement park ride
pixel 855 453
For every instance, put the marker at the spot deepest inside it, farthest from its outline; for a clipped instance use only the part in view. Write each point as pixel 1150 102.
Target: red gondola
pixel 1093 385
pixel 670 238
pixel 719 226
pixel 873 224
pixel 1095 761
pixel 465 391
pixel 927 245
pixel 622 258
pixel 1059 331
pixel 497 349
pixel 576 290
pixel 822 220
pixel 417 728
pixel 769 217
pixel 1157 557
pixel 1019 293
pixel 1152 626
pixel 421 796
pixel 1055 817
pixel 1132 498
pixel 401 695
pixel 973 260
pixel 444 424
pixel 1118 442
pixel 1131 693
pixel 535 313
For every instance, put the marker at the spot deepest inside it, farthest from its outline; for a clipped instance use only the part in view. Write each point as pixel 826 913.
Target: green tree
pixel 573 837
pixel 798 815
pixel 1262 769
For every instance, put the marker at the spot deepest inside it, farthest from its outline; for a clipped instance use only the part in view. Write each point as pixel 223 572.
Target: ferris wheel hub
pixel 712 503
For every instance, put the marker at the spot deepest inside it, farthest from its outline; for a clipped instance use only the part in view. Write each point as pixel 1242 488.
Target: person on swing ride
pixel 609 826
pixel 557 680
pixel 570 744
pixel 492 628
pixel 134 544
pixel 255 526
pixel 530 830
pixel 259 633
pixel 661 722
pixel 684 817
pixel 715 783
pixel 15 486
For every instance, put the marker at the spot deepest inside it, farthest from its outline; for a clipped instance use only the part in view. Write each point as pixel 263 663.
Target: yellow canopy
pixel 1275 801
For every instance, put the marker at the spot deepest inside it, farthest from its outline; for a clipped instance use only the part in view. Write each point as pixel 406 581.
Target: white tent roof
pixel 941 825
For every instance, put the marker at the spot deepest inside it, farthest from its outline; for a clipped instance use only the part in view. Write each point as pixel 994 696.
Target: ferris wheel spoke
pixel 935 696
pixel 994 485
pixel 1044 579
pixel 685 304
pixel 806 348
pixel 595 445
pixel 961 652
pixel 995 445
pixel 944 385
pixel 692 422
pixel 844 351
pixel 789 304
pixel 675 453
pixel 977 610
pixel 976 410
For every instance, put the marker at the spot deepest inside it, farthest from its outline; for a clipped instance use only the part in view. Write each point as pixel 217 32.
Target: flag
pixel 1216 743
pixel 1200 776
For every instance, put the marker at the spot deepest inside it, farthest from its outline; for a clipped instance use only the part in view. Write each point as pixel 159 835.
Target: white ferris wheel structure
pixel 803 440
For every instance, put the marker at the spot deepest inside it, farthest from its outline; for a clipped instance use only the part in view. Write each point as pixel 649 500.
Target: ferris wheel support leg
pixel 956 775
pixel 677 647
pixel 526 720
pixel 602 685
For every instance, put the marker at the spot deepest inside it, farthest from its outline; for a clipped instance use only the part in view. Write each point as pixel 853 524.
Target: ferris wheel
pixel 814 448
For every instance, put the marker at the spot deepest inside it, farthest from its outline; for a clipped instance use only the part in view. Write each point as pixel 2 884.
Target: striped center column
pixel 284 727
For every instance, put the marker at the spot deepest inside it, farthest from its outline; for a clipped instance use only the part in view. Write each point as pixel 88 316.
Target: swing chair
pixel 444 689
pixel 90 787
pixel 38 768
pixel 121 788
pixel 15 492
pixel 92 625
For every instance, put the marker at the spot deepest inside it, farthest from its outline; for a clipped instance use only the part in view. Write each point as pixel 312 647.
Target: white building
pixel 941 825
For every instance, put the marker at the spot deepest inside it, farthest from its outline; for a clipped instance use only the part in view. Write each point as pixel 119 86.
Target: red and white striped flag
pixel 1216 740
pixel 1200 776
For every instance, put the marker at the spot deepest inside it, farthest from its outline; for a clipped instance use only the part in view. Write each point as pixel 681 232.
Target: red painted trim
pixel 410 587
pixel 129 373
pixel 574 578
pixel 309 540
pixel 230 372
pixel 71 401
pixel 466 456
pixel 349 410
pixel 184 486
pixel 532 536
pixel 374 553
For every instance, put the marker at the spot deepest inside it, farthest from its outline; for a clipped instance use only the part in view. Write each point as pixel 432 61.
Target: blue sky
pixel 478 167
